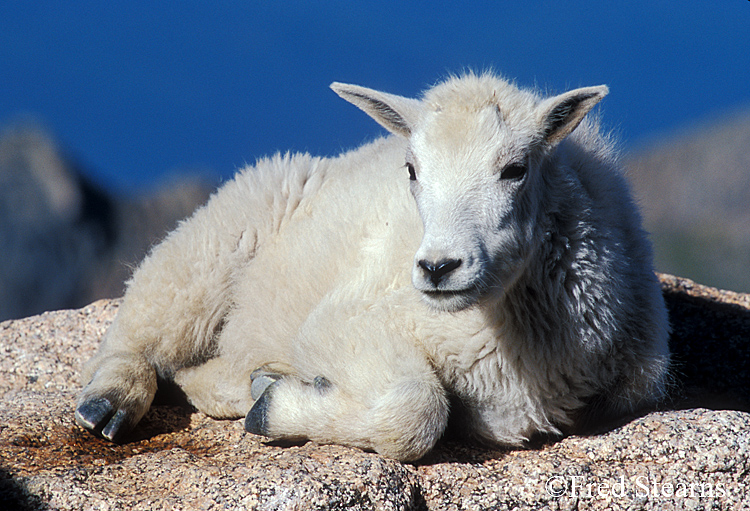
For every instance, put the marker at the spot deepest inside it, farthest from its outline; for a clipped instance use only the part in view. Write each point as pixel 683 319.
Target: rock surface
pixel 693 454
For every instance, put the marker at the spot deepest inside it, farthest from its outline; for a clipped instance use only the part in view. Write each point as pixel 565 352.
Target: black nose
pixel 438 270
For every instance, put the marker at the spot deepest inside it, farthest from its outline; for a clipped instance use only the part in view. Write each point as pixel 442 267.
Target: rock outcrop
pixel 694 187
pixel 692 454
pixel 64 241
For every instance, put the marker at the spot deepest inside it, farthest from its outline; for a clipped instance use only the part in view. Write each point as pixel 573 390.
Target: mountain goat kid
pixel 487 258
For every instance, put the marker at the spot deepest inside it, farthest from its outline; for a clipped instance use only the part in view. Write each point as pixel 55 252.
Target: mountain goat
pixel 487 258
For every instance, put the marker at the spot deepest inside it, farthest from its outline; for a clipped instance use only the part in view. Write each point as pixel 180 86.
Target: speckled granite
pixel 694 454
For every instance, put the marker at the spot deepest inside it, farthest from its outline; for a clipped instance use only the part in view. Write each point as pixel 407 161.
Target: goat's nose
pixel 438 270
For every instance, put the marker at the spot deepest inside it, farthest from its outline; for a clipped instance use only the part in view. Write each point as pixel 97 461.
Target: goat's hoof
pixel 261 379
pixel 256 421
pixel 99 416
pixel 92 413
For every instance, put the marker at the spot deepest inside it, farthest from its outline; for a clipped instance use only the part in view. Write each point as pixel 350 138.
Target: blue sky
pixel 138 89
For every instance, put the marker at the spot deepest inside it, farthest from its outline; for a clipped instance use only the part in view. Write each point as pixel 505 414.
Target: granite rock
pixel 694 453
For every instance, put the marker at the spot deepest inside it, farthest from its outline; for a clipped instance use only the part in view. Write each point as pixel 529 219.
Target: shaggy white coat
pixel 324 271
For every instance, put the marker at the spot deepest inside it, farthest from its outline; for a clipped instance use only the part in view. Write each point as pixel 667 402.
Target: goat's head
pixel 476 148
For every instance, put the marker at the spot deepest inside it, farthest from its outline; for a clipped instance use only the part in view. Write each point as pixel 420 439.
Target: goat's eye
pixel 513 171
pixel 412 171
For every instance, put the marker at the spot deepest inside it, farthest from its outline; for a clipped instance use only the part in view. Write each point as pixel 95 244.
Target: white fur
pixel 312 267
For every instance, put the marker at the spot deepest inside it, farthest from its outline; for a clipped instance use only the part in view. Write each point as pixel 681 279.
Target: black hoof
pixel 99 416
pixel 256 421
pixel 93 413
pixel 117 427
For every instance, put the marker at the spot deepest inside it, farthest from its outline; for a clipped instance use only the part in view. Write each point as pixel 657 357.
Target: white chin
pixel 450 301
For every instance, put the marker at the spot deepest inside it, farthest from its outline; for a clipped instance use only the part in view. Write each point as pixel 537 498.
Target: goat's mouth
pixel 451 300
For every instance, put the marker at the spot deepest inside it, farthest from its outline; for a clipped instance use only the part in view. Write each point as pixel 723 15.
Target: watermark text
pixel 577 487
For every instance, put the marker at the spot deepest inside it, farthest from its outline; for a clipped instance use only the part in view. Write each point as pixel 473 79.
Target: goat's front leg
pixel 373 389
pixel 402 419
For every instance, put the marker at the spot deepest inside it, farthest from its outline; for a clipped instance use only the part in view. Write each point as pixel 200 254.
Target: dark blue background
pixel 139 88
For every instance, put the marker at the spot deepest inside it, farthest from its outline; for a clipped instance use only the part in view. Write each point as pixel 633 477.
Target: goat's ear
pixel 395 113
pixel 560 115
